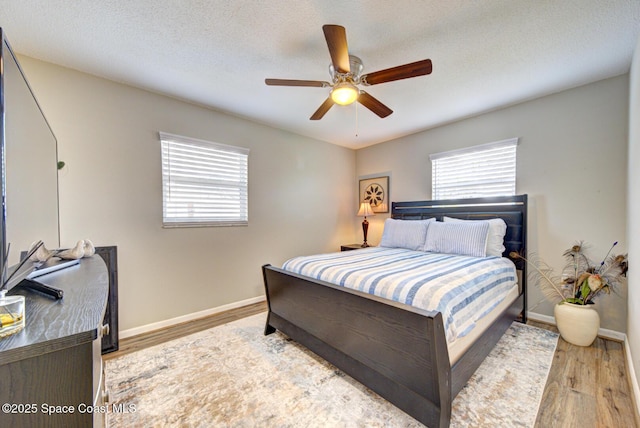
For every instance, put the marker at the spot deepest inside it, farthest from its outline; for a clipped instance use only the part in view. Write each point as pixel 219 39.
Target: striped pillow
pixel 409 234
pixel 465 239
pixel 495 238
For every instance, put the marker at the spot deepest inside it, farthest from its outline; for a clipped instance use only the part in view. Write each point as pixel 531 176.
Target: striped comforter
pixel 462 288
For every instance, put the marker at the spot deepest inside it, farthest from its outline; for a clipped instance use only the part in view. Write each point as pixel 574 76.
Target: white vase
pixel 578 324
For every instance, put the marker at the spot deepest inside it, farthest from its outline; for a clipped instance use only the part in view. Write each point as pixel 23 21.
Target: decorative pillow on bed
pixel 495 240
pixel 462 238
pixel 409 234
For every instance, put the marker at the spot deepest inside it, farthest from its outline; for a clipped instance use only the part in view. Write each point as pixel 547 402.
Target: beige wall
pixel 633 216
pixel 301 194
pixel 572 162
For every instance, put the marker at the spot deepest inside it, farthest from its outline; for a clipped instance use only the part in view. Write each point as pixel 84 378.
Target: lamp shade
pixel 365 210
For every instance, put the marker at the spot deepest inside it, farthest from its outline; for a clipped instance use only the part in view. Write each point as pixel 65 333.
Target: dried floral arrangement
pixel 581 280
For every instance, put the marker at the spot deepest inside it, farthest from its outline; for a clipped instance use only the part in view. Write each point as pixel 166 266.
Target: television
pixel 28 163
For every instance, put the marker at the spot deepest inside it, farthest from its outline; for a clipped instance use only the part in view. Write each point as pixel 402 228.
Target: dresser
pixel 51 372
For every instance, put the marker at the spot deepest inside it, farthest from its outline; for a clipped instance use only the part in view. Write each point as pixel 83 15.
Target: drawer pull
pixel 105 329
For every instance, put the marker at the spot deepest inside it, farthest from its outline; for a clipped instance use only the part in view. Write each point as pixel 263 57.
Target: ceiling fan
pixel 346 74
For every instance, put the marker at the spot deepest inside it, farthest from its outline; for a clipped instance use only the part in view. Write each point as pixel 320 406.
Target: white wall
pixel 633 214
pixel 572 162
pixel 302 195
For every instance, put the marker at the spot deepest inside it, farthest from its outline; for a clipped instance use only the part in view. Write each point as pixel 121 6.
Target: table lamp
pixel 364 211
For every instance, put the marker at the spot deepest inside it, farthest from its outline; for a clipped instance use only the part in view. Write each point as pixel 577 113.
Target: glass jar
pixel 12 311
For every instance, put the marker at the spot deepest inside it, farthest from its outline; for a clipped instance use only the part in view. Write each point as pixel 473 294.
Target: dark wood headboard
pixel 512 209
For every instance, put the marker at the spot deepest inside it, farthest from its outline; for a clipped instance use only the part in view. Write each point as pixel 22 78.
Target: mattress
pixel 464 289
pixel 459 346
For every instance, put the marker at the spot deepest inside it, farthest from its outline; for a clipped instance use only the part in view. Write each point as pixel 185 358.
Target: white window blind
pixel 203 183
pixel 479 171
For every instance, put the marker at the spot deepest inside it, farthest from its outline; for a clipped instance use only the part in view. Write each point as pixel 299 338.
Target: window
pixel 479 171
pixel 203 183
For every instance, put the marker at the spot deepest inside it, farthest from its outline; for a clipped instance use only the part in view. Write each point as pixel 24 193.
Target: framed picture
pixel 376 192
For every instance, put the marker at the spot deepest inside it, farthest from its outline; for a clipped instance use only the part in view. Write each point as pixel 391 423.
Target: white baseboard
pixel 189 317
pixel 603 332
pixel 631 372
pixel 542 318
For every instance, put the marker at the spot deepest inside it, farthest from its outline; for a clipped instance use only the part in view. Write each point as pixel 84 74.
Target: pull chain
pixel 356 103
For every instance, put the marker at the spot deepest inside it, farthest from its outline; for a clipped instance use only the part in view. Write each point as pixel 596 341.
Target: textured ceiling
pixel 486 54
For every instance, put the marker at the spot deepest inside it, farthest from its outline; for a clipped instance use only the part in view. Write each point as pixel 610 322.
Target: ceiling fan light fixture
pixel 346 74
pixel 344 93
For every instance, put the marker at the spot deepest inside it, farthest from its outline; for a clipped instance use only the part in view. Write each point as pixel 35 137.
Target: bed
pixel 400 351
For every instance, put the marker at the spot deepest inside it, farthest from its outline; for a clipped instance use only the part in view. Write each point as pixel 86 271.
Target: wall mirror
pixel 29 153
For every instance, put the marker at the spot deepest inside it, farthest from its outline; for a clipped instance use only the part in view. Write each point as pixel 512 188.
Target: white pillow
pixel 409 234
pixel 462 238
pixel 495 240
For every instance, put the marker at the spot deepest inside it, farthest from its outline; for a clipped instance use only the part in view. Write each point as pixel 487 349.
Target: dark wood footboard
pixel 398 351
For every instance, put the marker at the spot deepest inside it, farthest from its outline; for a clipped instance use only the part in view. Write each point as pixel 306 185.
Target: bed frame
pixel 398 351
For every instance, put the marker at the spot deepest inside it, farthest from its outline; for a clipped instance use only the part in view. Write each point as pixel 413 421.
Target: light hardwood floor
pixel 587 386
pixel 135 343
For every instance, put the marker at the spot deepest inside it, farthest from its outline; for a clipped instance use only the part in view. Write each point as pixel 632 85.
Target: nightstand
pixel 350 247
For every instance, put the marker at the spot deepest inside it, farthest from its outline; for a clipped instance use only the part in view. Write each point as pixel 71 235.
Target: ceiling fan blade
pixel 374 105
pixel 414 69
pixel 290 82
pixel 336 37
pixel 323 109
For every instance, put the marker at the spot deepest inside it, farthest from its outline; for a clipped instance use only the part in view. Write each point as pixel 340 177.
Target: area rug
pixel 233 376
